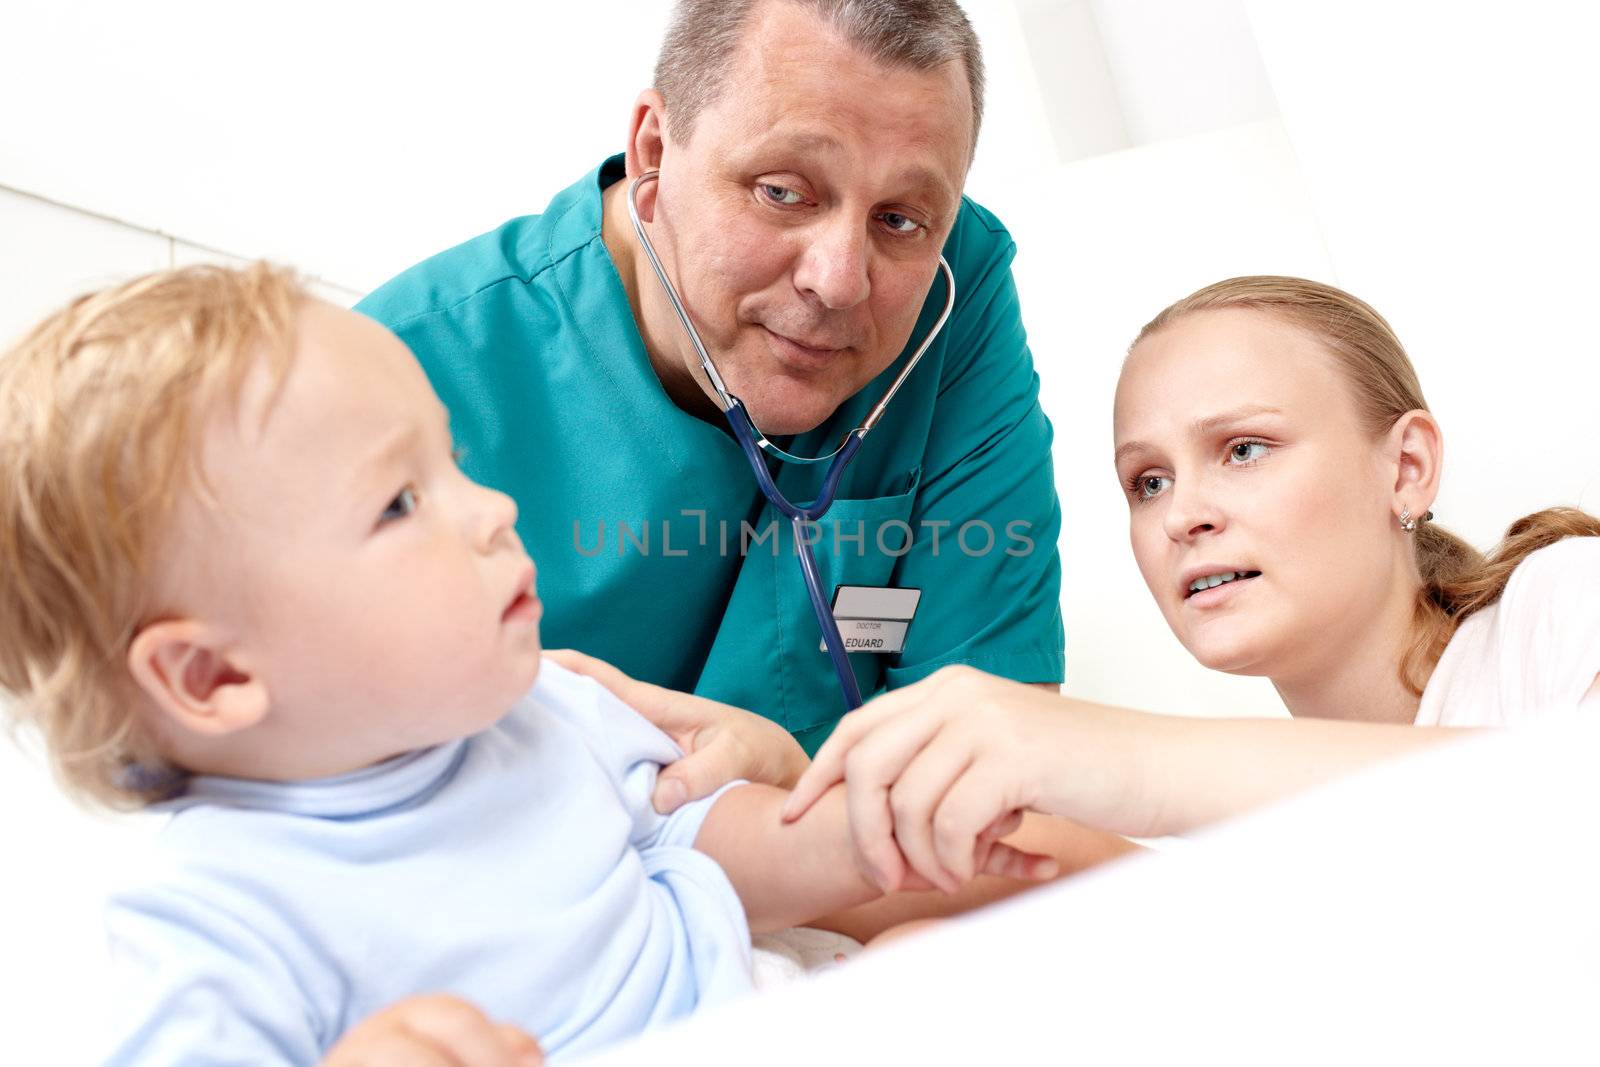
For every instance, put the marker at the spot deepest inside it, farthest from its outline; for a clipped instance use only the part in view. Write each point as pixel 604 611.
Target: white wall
pixel 1442 168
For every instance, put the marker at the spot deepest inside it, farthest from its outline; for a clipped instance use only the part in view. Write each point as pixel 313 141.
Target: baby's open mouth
pixel 518 606
pixel 1211 581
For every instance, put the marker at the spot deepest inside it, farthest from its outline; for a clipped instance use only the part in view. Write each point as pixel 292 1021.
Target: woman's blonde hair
pixel 100 411
pixel 1457 579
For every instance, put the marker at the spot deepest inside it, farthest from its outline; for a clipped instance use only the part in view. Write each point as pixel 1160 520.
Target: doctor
pixel 812 155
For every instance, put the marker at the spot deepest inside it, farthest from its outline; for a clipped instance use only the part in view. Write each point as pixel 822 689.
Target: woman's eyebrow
pixel 1204 426
pixel 1127 449
pixel 1209 424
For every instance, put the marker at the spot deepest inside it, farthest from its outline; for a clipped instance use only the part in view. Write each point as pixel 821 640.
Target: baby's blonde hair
pixel 101 408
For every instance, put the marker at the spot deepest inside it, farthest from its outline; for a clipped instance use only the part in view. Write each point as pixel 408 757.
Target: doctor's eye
pixel 1242 452
pixel 780 195
pixel 1145 487
pixel 902 224
pixel 403 504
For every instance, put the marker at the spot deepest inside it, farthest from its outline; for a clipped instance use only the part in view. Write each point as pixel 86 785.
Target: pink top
pixel 1535 652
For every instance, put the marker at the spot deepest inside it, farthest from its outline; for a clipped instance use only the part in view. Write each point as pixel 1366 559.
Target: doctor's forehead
pixel 789 59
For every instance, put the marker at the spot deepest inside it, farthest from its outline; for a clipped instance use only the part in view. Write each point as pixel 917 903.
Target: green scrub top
pixel 657 552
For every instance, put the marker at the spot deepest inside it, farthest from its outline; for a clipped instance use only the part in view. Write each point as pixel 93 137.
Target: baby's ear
pixel 195 679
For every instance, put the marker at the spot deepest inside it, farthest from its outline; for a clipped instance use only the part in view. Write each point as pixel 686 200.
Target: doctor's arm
pixel 721 742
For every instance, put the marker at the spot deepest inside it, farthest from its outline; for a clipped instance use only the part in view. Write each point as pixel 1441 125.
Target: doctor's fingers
pixel 648 700
pixel 703 771
pixel 829 765
pixel 672 712
pixel 722 743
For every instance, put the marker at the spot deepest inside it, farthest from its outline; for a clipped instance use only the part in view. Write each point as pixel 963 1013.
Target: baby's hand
pixel 433 1031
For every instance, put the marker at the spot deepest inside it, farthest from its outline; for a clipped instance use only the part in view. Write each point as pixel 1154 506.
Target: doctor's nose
pixel 832 267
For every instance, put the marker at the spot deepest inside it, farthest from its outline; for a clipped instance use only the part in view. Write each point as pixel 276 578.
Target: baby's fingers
pixel 524 1049
pixel 1005 861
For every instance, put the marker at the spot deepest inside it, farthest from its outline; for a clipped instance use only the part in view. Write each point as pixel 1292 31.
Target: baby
pixel 247 584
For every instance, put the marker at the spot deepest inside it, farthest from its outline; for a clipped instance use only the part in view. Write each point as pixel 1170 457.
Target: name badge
pixel 873 618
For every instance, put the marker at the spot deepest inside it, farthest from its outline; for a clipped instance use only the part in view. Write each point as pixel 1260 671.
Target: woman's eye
pixel 900 223
pixel 1246 451
pixel 403 504
pixel 1150 486
pixel 779 195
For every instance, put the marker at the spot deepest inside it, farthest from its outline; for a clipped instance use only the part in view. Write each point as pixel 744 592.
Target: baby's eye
pixel 779 195
pixel 403 504
pixel 1246 451
pixel 1150 486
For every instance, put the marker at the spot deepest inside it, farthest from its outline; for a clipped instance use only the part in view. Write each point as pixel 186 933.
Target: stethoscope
pixel 754 442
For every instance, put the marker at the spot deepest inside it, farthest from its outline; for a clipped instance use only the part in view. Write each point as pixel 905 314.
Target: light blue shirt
pixel 523 869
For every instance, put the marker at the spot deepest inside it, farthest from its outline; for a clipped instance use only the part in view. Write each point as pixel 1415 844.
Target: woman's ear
pixel 197 681
pixel 1417 449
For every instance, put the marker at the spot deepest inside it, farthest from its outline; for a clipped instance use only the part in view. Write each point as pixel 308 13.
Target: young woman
pixel 1279 463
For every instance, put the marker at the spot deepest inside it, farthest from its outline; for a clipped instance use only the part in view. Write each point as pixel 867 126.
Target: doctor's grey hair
pixel 704 36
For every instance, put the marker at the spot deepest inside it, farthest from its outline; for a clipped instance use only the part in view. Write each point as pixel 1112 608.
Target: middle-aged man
pixel 812 155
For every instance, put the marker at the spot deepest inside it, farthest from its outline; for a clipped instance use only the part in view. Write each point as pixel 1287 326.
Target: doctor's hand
pixel 720 742
pixel 936 772
pixel 433 1031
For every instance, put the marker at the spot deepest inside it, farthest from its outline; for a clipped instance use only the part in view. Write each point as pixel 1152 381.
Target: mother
pixel 1279 463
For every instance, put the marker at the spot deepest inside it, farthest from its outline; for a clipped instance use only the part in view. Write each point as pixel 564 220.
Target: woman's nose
pixel 1191 512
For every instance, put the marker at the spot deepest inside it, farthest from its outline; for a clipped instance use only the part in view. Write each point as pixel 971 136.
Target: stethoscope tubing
pixel 753 442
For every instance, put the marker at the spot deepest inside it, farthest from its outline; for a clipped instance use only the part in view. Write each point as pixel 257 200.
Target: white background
pixel 1437 159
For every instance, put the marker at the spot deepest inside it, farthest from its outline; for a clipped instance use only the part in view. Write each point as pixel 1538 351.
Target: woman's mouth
pixel 1213 588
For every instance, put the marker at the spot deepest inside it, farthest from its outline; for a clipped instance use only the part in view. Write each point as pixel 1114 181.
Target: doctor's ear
pixel 648 139
pixel 197 681
pixel 1416 449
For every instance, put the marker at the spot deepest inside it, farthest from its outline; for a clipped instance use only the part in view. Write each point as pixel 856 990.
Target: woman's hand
pixel 720 742
pixel 937 771
pixel 433 1031
pixel 933 770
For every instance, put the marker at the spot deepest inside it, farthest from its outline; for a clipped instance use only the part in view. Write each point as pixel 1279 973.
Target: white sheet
pixel 1441 910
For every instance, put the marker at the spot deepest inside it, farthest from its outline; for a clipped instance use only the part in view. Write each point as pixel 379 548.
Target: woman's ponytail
pixel 1458 580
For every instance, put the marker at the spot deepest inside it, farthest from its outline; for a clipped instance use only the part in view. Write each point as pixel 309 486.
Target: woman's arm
pixel 1074 848
pixel 930 766
pixel 789 873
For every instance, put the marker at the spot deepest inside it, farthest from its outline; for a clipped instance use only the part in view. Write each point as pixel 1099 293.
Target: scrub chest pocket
pixel 859 542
